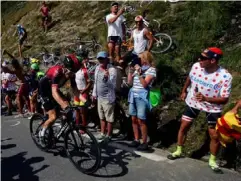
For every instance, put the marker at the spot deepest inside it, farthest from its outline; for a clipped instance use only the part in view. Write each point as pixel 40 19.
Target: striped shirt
pixel 137 86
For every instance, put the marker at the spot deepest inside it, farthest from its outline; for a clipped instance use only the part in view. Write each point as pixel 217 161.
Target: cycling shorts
pixel 191 113
pixel 115 39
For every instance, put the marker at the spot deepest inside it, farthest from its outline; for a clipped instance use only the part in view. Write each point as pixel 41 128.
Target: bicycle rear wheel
pixel 162 43
pixel 85 156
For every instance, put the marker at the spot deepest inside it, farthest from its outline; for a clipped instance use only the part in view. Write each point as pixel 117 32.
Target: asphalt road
pixel 22 160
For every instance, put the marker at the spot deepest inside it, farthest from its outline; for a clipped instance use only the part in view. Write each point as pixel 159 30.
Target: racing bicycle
pixel 80 145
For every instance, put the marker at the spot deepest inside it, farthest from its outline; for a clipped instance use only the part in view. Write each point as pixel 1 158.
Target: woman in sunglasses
pixel 206 89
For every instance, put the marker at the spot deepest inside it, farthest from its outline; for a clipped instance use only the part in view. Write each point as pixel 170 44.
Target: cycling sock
pixel 178 152
pixel 43 131
pixel 212 161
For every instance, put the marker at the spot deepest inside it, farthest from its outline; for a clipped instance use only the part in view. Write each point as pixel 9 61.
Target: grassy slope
pixel 193 26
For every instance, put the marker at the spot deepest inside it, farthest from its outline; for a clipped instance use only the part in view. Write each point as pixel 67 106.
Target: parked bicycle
pixel 79 152
pixel 92 46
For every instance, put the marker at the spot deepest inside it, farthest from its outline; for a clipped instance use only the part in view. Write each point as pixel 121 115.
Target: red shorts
pixel 23 90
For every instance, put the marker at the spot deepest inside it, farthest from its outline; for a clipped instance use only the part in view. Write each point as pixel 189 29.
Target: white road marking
pixel 151 156
pixel 18 122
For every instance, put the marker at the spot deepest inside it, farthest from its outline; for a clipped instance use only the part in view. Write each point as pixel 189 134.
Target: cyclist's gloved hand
pixel 68 112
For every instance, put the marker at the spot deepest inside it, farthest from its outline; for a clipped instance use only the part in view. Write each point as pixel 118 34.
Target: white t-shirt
pixel 8 78
pixel 80 80
pixel 217 84
pixel 115 29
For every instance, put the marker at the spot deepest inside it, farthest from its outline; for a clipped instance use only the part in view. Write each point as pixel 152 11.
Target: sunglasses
pixel 202 58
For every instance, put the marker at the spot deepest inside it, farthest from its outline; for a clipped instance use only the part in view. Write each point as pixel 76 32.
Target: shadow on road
pixel 114 160
pixel 17 167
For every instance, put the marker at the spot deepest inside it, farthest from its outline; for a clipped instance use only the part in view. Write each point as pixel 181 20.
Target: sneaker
pixel 8 114
pixel 143 147
pixel 19 116
pixel 41 139
pixel 101 137
pixel 134 143
pixel 28 113
pixel 107 139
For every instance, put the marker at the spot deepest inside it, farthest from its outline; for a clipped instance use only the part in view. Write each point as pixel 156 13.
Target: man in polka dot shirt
pixel 206 89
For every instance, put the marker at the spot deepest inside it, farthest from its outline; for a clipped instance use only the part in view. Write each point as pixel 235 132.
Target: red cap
pixel 216 50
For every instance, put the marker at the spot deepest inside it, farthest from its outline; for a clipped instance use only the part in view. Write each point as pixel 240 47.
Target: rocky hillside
pixel 192 25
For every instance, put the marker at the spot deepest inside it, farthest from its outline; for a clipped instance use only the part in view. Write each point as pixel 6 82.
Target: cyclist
pixel 45 16
pixel 209 90
pixel 49 85
pixel 116 31
pixel 9 87
pixel 22 33
pixel 23 91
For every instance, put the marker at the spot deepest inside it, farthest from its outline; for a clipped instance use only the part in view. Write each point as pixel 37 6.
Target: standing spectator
pixel 83 83
pixel 210 87
pixel 45 16
pixel 143 39
pixel 23 91
pixel 141 76
pixel 104 91
pixel 116 31
pixel 22 34
pixel 9 87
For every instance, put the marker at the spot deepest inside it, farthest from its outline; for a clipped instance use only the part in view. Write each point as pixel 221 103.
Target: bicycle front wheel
pixel 162 43
pixel 82 150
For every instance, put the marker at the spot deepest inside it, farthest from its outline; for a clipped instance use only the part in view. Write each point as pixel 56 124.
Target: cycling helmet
pixel 34 60
pixel 35 66
pixel 40 75
pixel 68 63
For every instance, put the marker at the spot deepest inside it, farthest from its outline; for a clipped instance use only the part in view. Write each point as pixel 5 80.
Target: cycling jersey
pixel 77 64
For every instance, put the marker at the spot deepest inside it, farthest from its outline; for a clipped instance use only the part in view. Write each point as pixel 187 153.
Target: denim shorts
pixel 139 108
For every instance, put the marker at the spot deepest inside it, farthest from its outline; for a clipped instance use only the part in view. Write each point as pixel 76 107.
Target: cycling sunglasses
pixel 202 58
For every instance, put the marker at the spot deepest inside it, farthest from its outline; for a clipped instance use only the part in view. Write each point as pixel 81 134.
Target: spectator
pixel 116 31
pixel 83 83
pixel 104 91
pixel 210 87
pixel 229 131
pixel 45 16
pixel 141 76
pixel 9 87
pixel 22 33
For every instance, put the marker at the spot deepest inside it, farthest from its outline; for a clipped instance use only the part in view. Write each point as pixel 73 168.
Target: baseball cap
pixel 213 52
pixel 139 18
pixel 115 3
pixel 102 54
